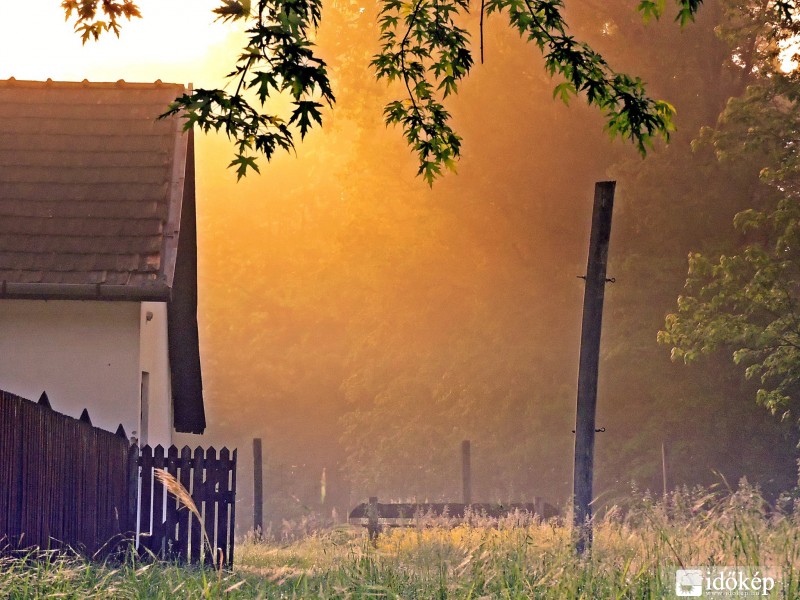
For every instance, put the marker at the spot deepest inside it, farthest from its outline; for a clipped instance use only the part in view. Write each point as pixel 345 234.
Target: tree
pixel 423 48
pixel 748 302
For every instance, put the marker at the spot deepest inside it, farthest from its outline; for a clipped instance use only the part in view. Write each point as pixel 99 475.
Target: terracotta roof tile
pixel 86 183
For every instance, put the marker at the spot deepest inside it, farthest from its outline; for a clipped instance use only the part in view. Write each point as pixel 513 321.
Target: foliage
pixel 747 302
pixel 278 58
pixel 89 25
pixel 422 46
pixel 429 43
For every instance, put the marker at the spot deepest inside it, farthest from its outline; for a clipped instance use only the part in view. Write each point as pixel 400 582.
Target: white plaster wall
pixel 154 359
pixel 85 354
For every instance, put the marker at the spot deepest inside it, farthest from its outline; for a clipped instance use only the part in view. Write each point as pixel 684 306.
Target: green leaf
pixel 232 10
pixel 564 91
pixel 242 164
pixel 304 114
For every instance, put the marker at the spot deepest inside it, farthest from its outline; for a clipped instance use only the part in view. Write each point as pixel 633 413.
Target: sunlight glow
pixel 789 54
pixel 175 40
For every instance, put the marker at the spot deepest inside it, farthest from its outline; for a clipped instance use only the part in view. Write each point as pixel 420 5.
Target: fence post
pixel 233 507
pixel 664 469
pixel 258 489
pixel 373 526
pixel 133 492
pixel 466 472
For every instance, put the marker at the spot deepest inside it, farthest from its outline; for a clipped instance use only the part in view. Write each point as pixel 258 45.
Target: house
pixel 98 259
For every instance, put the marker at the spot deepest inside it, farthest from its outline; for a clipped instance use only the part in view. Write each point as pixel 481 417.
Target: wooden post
pixel 664 470
pixel 258 489
pixel 373 526
pixel 589 357
pixel 132 525
pixel 233 506
pixel 466 472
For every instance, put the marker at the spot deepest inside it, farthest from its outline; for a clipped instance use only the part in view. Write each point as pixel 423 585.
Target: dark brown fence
pixel 62 481
pixel 167 528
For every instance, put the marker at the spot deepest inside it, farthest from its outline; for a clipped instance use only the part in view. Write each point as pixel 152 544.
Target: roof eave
pixel 155 292
pixel 169 249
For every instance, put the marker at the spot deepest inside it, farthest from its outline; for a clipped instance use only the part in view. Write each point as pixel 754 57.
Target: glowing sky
pixel 176 41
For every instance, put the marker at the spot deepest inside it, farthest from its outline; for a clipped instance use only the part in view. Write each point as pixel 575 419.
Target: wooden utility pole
pixel 590 354
pixel 466 472
pixel 258 489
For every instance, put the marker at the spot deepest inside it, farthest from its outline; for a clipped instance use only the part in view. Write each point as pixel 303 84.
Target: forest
pixel 363 323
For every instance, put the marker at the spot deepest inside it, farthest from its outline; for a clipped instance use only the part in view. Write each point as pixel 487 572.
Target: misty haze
pixel 359 324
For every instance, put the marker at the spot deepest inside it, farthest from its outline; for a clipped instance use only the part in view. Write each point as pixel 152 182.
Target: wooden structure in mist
pixel 593 298
pixel 374 515
pixel 65 483
pixel 170 530
pixel 466 472
pixel 258 487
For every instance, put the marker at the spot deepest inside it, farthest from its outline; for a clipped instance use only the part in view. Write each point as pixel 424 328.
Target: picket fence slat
pixel 222 520
pixel 184 515
pixel 209 506
pixel 171 511
pixel 211 482
pixel 233 505
pixel 157 540
pixel 145 496
pixel 195 534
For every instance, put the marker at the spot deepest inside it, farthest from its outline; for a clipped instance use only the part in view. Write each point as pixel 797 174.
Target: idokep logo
pixel 710 582
pixel 689 582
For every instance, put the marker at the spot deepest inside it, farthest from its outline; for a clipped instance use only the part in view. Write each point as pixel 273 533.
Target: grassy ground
pixel 635 554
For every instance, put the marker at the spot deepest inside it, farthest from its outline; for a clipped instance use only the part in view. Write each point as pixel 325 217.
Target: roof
pixel 95 196
pixel 91 185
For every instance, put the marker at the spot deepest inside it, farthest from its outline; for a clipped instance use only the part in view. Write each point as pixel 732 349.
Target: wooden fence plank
pixel 209 514
pixel 15 495
pixel 4 478
pixel 30 468
pixel 47 474
pixel 157 546
pixel 233 508
pixel 197 490
pixel 69 530
pixel 134 483
pixel 146 499
pixel 171 513
pixel 223 471
pixel 5 465
pixel 55 441
pixel 91 502
pixel 184 515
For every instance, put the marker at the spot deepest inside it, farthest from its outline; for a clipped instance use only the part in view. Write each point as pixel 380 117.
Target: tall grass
pixel 39 574
pixel 636 550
